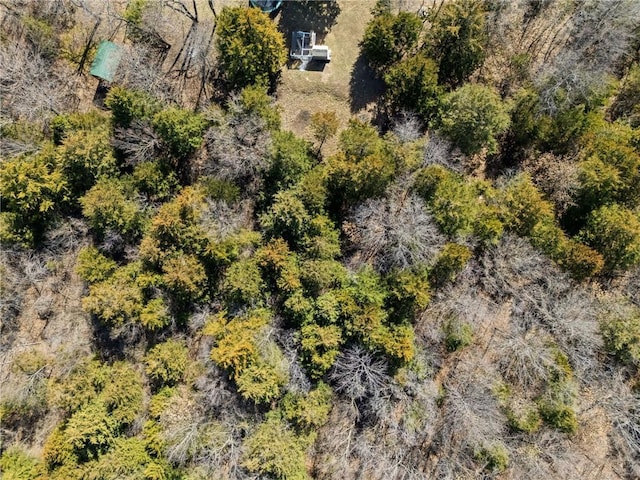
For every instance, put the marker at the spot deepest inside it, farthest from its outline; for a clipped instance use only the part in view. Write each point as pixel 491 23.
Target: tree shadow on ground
pixel 311 66
pixel 308 16
pixel 364 86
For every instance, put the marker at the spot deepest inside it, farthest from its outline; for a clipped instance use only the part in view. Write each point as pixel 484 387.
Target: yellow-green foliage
pixel 185 277
pixel 611 170
pixel 328 307
pixel 110 205
pixel 261 382
pixel 279 266
pixel 457 334
pixel 450 262
pixel 298 309
pixel 459 206
pixel 23 131
pixel 128 105
pixel 159 401
pixel 579 260
pixel 176 228
pixel 255 363
pixel 396 341
pixel 154 179
pixel 621 333
pixel 255 99
pixel 412 84
pixel 31 188
pixel 454 205
pixel 428 179
pixel 274 449
pixel 409 292
pixel 251 49
pixel 123 298
pixel 522 414
pixel 99 402
pixel 523 206
pixel 473 116
pixel 86 156
pixel 324 125
pixel 286 218
pixel 84 383
pixel 364 318
pixel 318 276
pixel 154 315
pixel 527 421
pixel 180 129
pixel 90 431
pixel 128 458
pixel 63 125
pixel 320 346
pixel 308 411
pixel 559 415
pixel 15 464
pixel 290 161
pixel 25 400
pixel 134 10
pixel 235 338
pixel 93 266
pixel 243 284
pixel 556 405
pixel 493 458
pixel 322 239
pixel 389 37
pixel 153 431
pixel 362 168
pixel 166 363
pixel 458 39
pixel 312 189
pixel 220 254
pixel 28 362
pixel 615 232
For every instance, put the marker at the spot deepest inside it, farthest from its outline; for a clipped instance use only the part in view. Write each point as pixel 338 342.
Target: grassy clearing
pixel 345 85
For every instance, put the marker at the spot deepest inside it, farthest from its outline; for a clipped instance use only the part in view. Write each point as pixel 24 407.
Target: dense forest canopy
pixel 445 285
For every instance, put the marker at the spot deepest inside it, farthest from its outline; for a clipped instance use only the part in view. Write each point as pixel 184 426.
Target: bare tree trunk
pixel 87 47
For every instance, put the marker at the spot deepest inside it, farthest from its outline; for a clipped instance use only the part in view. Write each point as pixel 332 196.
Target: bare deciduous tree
pixel 525 359
pixel 139 142
pixel 139 71
pixel 513 265
pixel 557 177
pixel 396 231
pixel 633 285
pixel 596 38
pixel 359 374
pixel 623 407
pixel 31 90
pixel 238 148
pixel 471 417
pixel 66 237
pixel 407 127
pixel 220 219
pixel 298 380
pixel 440 151
pixel 574 325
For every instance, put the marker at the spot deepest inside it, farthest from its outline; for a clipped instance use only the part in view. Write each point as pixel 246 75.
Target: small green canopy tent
pixel 107 59
pixel 267 6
